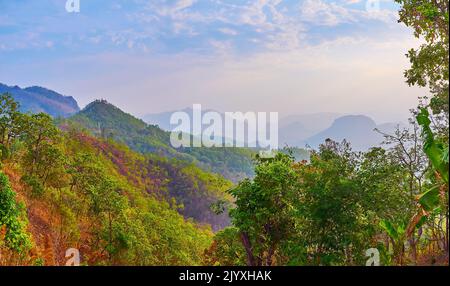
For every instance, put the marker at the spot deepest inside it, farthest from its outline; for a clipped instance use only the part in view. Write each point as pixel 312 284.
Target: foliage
pixel 98 197
pixel 429 63
pixel 263 212
pixel 324 212
pixel 437 152
pixel 12 217
pixel 226 249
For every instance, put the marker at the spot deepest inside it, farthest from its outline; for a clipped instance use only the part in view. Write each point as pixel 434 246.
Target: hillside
pixel 107 121
pixel 38 99
pixel 62 189
pixel 192 190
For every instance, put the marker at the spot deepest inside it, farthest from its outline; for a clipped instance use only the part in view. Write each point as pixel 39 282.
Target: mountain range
pixel 302 130
pixel 309 130
pixel 37 99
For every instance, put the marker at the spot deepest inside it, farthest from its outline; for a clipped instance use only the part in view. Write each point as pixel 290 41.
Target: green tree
pixel 12 123
pixel 12 217
pixel 332 207
pixel 263 212
pixel 430 62
pixel 226 249
pixel 430 68
pixel 44 160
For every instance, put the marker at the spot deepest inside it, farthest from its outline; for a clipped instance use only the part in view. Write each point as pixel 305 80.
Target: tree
pixel 12 220
pixel 226 249
pixel 263 212
pixel 12 123
pixel 430 68
pixel 44 160
pixel 429 63
pixel 335 225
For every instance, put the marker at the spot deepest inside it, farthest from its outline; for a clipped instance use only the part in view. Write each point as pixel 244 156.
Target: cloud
pixel 287 55
pixel 172 10
pixel 345 75
pixel 228 31
pixel 319 12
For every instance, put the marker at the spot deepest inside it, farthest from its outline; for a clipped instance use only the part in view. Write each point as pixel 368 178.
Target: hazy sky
pixel 148 56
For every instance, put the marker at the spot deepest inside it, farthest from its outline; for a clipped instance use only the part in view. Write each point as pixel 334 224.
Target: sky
pixel 150 56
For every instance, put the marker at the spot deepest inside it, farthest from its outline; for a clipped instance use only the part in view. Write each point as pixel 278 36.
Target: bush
pixel 37 189
pixel 12 219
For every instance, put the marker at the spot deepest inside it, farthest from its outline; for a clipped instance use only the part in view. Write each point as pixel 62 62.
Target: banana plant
pixel 397 235
pixel 437 153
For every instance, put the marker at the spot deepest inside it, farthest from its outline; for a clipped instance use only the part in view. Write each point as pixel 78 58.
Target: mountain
pixel 359 130
pixel 294 129
pixel 108 201
pixel 162 120
pixel 107 121
pixel 37 99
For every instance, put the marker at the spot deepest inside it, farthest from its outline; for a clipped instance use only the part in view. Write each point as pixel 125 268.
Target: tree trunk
pixel 251 261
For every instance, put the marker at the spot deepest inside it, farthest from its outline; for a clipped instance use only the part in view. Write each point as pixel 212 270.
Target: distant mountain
pixel 37 99
pixel 294 129
pixel 359 130
pixel 308 129
pixel 162 120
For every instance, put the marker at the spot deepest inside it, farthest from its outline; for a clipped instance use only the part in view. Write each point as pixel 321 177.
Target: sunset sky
pixel 302 56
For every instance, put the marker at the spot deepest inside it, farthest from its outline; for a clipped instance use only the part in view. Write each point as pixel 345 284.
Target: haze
pixel 292 57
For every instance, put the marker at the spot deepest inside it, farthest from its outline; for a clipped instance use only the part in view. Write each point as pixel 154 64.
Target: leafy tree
pixel 332 207
pixel 44 160
pixel 12 218
pixel 226 249
pixel 429 63
pixel 263 212
pixel 12 123
pixel 430 68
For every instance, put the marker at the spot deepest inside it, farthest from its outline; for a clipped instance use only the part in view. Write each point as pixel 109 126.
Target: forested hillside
pixel 107 121
pixel 65 189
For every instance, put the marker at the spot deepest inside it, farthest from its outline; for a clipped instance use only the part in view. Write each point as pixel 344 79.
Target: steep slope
pixel 38 99
pixel 194 190
pixel 144 228
pixel 107 121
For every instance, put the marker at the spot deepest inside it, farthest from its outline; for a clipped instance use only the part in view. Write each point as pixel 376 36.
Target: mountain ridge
pixel 37 99
pixel 358 130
